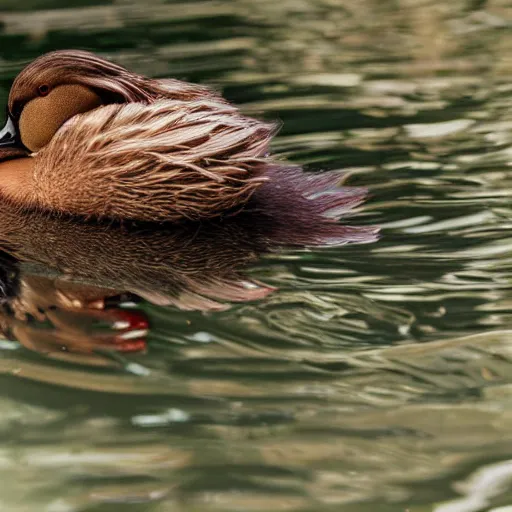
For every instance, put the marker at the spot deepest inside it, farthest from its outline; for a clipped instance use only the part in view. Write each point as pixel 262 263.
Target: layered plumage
pixel 107 142
pixel 164 161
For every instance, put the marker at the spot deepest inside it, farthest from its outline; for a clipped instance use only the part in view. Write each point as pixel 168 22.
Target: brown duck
pixel 89 138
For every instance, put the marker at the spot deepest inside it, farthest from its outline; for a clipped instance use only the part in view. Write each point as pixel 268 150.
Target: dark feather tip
pixel 300 209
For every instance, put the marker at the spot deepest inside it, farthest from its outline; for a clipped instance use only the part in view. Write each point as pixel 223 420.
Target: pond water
pixel 377 377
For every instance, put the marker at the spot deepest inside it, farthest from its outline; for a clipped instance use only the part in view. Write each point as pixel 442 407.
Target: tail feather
pixel 302 209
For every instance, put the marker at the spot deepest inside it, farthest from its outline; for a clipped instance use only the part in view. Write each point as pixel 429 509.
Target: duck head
pixel 61 84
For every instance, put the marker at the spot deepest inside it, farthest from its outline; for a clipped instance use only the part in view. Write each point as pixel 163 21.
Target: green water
pixel 378 377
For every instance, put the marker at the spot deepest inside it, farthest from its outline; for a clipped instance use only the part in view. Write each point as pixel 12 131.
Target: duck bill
pixel 9 134
pixel 10 142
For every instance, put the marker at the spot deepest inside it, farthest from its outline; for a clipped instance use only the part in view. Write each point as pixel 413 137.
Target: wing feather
pixel 164 161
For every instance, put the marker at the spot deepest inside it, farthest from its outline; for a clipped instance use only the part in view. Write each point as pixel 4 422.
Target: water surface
pixel 378 377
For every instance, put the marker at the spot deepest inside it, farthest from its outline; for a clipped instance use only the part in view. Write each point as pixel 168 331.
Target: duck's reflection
pixel 64 281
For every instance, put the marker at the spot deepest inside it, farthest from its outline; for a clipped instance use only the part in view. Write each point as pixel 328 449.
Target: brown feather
pixel 160 162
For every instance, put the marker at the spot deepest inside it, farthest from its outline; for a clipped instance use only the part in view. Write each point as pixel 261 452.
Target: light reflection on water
pixel 378 376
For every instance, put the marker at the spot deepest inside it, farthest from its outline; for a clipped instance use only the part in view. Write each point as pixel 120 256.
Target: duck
pixel 86 137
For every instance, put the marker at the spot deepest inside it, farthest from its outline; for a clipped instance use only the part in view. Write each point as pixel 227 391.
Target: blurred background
pixel 378 377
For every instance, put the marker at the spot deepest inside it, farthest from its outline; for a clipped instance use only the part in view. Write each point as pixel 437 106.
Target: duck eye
pixel 43 90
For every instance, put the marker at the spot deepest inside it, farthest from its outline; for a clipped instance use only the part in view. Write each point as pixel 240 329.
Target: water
pixel 378 377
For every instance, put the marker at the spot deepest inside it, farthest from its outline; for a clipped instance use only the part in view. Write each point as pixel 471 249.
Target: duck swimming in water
pixel 87 137
pixel 88 142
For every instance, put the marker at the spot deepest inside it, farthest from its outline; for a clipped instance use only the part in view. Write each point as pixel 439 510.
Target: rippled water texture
pixel 378 377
